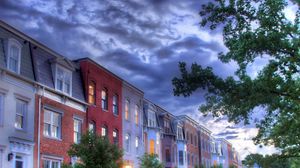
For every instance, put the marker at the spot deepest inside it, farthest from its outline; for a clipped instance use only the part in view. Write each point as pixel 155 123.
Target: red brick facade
pixel 56 147
pixel 103 79
pixel 191 134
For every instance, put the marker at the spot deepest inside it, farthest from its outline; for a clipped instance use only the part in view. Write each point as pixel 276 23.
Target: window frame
pixel 93 124
pixel 115 104
pixel 79 131
pixel 51 161
pixel 104 101
pixel 181 159
pixel 65 73
pixel 104 130
pixel 136 114
pixel 23 115
pixel 116 137
pixel 127 110
pixel 51 124
pixel 17 44
pixel 93 94
pixel 127 142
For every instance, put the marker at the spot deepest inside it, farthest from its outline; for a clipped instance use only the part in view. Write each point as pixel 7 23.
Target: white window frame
pixel 65 73
pixel 24 115
pixel 127 142
pixel 79 131
pixel 151 119
pixel 137 144
pixel 51 161
pixel 51 124
pixel 104 131
pixel 17 44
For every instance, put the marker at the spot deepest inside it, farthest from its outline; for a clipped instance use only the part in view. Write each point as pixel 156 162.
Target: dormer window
pixel 63 80
pixel 14 55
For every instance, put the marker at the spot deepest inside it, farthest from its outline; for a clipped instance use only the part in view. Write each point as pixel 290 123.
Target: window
pixel 179 133
pixel 52 124
pixel 104 131
pixel 115 105
pixel 127 142
pixel 151 119
pixel 19 162
pixel 92 93
pixel 152 147
pixel 116 136
pixel 195 140
pixel 51 164
pixel 104 99
pixel 191 138
pixel 77 130
pixel 137 141
pixel 63 80
pixel 188 159
pixel 136 115
pixel 127 103
pixel 167 126
pixel 1 109
pixel 92 127
pixel 192 159
pixel 168 155
pixel 181 157
pixel 21 111
pixel 187 136
pixel 14 55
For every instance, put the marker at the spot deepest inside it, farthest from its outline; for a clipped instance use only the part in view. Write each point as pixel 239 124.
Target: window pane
pixel 19 164
pixel 46 164
pixel 92 93
pixel 127 110
pixel 136 114
pixel 56 119
pixel 92 127
pixel 47 129
pixel 14 58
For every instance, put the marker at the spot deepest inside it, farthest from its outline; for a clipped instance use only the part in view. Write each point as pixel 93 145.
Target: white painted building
pixel 17 101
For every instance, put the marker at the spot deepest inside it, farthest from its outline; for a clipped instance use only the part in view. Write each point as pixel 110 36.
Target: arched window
pixel 136 114
pixel 152 147
pixel 137 144
pixel 127 115
pixel 92 93
pixel 115 104
pixel 104 131
pixel 127 142
pixel 116 136
pixel 92 127
pixel 104 99
pixel 14 55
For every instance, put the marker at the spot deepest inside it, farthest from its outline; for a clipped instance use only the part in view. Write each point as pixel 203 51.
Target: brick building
pixel 60 107
pixel 104 94
pixel 191 136
pixel 204 135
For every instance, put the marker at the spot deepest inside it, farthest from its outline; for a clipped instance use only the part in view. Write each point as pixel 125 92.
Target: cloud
pixel 141 41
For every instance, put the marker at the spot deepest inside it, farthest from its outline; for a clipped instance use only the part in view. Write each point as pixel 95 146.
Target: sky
pixel 142 42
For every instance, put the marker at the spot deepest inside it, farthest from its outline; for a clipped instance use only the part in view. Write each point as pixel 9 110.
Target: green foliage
pixel 97 152
pixel 217 166
pixel 253 29
pixel 271 161
pixel 150 161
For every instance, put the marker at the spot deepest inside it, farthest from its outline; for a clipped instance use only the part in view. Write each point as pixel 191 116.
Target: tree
pixel 150 161
pixel 270 161
pixel 97 152
pixel 253 29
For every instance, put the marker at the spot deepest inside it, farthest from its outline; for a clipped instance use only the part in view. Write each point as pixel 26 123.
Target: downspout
pixel 39 127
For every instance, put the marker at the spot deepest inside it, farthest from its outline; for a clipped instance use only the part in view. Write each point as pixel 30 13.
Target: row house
pixel 17 99
pixel 60 107
pixel 48 101
pixel 104 95
pixel 168 138
pixel 152 130
pixel 190 127
pixel 132 103
pixel 181 153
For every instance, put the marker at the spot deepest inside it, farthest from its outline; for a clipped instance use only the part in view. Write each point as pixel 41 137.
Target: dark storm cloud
pixel 227 133
pixel 139 37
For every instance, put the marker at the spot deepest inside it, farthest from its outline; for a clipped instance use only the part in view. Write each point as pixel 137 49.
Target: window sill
pixel 20 129
pixel 116 115
pixel 104 110
pixel 52 138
